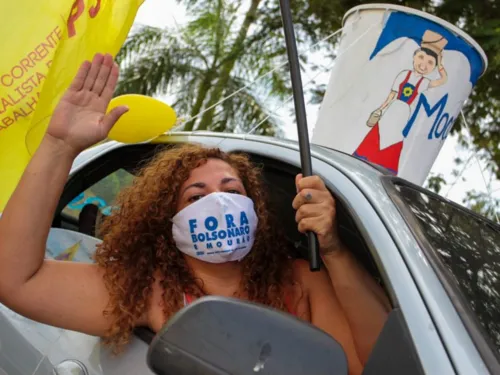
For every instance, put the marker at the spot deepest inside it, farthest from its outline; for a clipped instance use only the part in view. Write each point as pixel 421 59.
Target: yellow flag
pixel 43 45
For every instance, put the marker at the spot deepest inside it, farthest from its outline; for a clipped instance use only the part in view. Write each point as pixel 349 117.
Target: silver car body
pixel 442 342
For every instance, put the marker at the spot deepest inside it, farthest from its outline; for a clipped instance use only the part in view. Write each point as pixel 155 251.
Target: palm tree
pixel 215 55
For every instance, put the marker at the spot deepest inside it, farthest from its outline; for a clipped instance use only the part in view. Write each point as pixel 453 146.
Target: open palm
pixel 80 118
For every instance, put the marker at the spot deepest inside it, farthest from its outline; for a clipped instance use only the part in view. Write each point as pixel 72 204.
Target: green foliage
pixel 109 187
pixel 477 201
pixel 150 70
pixel 481 19
pixel 483 204
pixel 212 57
pixel 222 49
pixel 436 183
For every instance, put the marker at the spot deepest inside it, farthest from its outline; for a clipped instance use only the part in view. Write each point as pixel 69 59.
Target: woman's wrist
pixel 58 146
pixel 335 257
pixel 334 248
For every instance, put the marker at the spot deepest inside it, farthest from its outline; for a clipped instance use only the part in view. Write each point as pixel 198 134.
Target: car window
pixel 101 195
pixel 468 247
pixel 89 207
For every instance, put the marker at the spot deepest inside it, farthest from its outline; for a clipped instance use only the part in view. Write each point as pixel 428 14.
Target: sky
pixel 167 13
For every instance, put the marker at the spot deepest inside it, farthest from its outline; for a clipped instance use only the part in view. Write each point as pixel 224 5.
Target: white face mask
pixel 218 228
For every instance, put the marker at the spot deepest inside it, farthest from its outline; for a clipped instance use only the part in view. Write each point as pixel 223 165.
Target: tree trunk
pixel 210 75
pixel 228 65
pixel 202 94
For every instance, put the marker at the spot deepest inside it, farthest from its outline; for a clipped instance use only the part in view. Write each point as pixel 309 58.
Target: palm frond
pixel 159 73
pixel 195 7
pixel 184 63
pixel 243 112
pixel 140 42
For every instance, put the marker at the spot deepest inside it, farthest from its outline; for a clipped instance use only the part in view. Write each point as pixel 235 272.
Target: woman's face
pixel 423 63
pixel 213 176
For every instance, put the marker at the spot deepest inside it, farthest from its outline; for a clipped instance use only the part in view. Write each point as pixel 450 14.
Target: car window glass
pixel 101 195
pixel 469 248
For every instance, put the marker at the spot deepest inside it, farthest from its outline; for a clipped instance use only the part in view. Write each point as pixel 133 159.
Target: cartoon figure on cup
pixel 384 142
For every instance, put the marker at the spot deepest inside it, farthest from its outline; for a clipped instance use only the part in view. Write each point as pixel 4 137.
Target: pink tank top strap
pixel 188 299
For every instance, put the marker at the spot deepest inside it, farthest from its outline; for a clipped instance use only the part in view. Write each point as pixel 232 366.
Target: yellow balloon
pixel 146 118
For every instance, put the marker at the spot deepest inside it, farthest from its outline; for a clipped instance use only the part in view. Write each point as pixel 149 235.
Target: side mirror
pixel 225 336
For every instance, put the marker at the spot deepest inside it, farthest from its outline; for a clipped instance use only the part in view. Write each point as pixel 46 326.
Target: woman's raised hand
pixel 80 120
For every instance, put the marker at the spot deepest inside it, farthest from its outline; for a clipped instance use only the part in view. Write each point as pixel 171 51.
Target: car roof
pixel 348 163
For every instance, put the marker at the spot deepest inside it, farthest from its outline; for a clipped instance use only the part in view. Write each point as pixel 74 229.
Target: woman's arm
pixel 363 301
pixel 64 294
pixel 326 312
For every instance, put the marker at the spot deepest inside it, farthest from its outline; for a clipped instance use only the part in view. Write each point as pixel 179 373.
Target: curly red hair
pixel 137 242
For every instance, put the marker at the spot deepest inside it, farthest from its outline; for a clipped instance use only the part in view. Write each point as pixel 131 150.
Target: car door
pixel 18 354
pixel 463 249
pixel 411 322
pixel 29 347
pixel 357 187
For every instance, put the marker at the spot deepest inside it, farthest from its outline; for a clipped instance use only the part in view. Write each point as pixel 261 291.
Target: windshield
pixel 469 248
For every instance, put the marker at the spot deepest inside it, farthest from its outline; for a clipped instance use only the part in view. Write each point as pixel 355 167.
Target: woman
pixel 155 255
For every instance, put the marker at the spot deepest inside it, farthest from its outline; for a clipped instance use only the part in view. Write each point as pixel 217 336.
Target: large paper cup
pixel 397 87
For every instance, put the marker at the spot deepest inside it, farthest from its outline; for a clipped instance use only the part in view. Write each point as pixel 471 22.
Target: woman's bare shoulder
pixel 299 267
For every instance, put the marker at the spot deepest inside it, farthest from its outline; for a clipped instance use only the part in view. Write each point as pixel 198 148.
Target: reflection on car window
pixel 101 195
pixel 469 248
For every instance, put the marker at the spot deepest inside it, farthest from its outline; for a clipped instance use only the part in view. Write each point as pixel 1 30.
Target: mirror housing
pixel 226 336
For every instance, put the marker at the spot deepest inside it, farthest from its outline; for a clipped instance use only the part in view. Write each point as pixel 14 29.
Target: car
pixel 438 262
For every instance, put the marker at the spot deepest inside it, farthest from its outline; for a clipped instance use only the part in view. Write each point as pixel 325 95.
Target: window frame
pixel 371 224
pixel 479 337
pixel 99 168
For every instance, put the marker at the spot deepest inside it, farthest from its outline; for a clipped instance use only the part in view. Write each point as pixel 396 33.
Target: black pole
pixel 300 113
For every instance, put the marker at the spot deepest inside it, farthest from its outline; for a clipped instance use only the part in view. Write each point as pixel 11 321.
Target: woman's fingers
pixel 81 76
pixel 94 71
pixel 99 76
pixel 309 224
pixel 103 74
pixel 109 87
pixel 297 179
pixel 112 117
pixel 309 210
pixel 322 225
pixel 310 196
pixel 310 182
